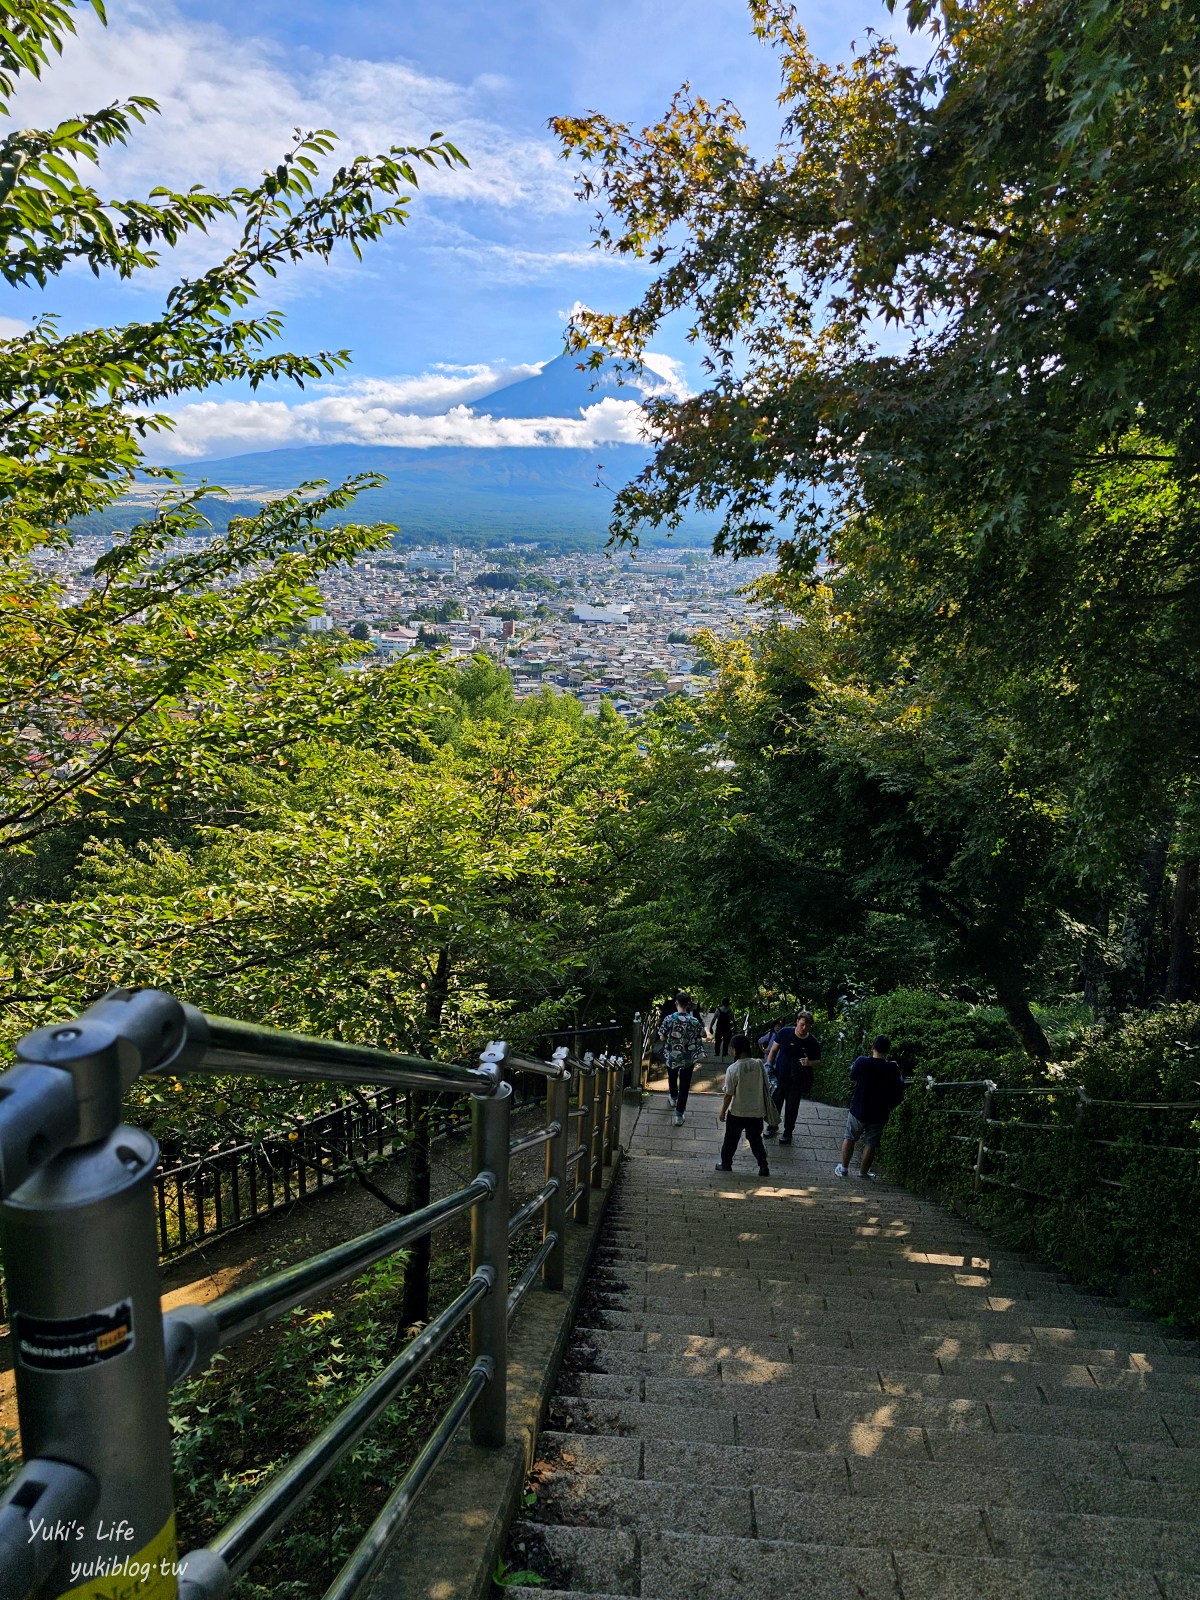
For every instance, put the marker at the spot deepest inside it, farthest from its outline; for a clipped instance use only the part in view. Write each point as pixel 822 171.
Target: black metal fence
pixel 223 1189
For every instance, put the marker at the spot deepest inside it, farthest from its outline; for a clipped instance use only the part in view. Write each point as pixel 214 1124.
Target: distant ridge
pixel 446 492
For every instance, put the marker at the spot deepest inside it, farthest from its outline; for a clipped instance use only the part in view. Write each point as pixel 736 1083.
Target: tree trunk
pixel 418 1184
pixel 414 1309
pixel 1132 981
pixel 1024 1024
pixel 1181 971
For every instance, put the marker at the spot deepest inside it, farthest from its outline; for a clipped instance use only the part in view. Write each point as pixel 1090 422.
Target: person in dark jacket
pixel 792 1056
pixel 722 1029
pixel 878 1090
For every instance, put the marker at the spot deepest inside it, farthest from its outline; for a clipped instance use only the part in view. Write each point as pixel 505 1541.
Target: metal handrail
pixel 240 1047
pixel 244 1536
pixel 535 1204
pixel 985 1118
pixel 538 1260
pixel 366 1558
pixel 528 1141
pixel 65 1094
pixel 557 1069
pixel 193 1334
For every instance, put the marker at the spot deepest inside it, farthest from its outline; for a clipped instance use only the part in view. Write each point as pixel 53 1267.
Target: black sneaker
pixel 785 1138
pixel 720 1168
pixel 769 1133
pixel 764 1172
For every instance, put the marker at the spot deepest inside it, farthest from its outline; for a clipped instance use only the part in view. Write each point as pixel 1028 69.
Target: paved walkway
pixel 822 1388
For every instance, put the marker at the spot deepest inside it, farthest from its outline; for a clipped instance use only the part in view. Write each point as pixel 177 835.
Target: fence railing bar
pixel 245 1310
pixel 528 1141
pixel 242 1538
pixel 1148 1105
pixel 1038 1127
pixel 576 1156
pixel 1000 1183
pixel 366 1558
pixel 525 1282
pixel 541 1069
pixel 531 1208
pixel 1041 1088
pixel 1148 1149
pixel 270 1052
pixel 574 1199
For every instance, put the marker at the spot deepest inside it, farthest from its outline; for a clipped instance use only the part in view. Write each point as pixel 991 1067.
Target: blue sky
pixel 477 287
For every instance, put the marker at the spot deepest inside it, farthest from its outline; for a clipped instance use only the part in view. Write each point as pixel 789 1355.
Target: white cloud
pixel 12 327
pixel 438 390
pixel 381 412
pixel 447 405
pixel 674 383
pixel 228 109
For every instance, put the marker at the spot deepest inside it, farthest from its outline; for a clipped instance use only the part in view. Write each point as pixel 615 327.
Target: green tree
pixel 951 323
pixel 166 669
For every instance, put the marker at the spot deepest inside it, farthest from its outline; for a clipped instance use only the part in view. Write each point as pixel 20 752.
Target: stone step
pixel 731 1363
pixel 874 1341
pixel 1099 1483
pixel 764 1385
pixel 673 1566
pixel 890 1428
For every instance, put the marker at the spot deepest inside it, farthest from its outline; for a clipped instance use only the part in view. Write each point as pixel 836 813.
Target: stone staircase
pixel 807 1386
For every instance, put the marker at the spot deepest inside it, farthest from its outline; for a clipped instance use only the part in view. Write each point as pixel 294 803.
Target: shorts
pixel 869 1132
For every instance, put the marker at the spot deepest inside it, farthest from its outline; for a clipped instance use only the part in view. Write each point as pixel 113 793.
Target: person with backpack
pixel 792 1055
pixel 722 1029
pixel 746 1106
pixel 682 1034
pixel 878 1090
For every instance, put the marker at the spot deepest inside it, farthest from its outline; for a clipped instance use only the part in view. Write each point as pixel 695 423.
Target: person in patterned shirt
pixel 682 1035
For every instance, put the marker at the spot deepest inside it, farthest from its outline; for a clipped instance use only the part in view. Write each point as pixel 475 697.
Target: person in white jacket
pixel 746 1106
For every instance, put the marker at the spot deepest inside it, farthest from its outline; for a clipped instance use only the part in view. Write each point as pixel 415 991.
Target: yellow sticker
pixel 151 1574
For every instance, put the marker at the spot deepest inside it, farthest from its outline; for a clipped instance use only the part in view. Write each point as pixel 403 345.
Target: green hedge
pixel 1118 1216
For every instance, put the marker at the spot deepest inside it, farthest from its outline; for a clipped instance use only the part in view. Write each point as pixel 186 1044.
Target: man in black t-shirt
pixel 878 1090
pixel 792 1056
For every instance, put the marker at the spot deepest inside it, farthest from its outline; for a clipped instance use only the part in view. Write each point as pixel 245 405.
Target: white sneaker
pixel 671 1101
pixel 872 1177
pixel 839 1171
pixel 679 1119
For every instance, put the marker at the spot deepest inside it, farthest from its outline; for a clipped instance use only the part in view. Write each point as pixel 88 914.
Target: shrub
pixel 1099 1187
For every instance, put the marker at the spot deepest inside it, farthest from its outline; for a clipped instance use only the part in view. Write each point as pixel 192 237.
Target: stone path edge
pixel 459 1525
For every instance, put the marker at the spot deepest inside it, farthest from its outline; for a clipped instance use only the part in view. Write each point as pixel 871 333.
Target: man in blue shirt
pixel 792 1056
pixel 878 1090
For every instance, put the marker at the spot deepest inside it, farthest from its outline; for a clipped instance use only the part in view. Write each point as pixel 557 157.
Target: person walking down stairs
pixel 792 1055
pixel 747 1104
pixel 682 1034
pixel 723 1029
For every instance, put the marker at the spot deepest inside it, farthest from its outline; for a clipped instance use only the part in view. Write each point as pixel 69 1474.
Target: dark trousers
pixel 788 1094
pixel 679 1081
pixel 721 1042
pixel 735 1127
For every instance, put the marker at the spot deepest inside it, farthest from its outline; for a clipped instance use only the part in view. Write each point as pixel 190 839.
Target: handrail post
pixel 638 1080
pixel 81 1253
pixel 587 1123
pixel 600 1125
pixel 615 1074
pixel 490 1119
pixel 989 1106
pixel 558 1103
